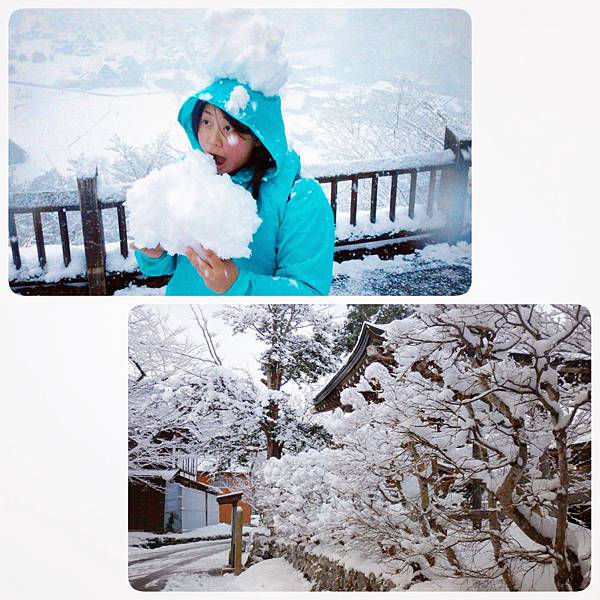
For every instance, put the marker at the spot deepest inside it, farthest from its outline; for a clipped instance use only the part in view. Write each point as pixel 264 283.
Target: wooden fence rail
pixel 447 188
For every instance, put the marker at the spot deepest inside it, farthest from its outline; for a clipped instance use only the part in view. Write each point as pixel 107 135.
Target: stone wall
pixel 324 573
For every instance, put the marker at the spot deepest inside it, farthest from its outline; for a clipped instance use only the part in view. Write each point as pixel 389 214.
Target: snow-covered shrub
pixel 131 163
pixel 470 465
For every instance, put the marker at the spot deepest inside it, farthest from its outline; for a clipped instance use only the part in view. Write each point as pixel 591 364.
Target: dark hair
pixel 260 158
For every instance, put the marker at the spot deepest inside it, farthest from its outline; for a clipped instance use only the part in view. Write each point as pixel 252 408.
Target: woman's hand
pixel 218 275
pixel 150 252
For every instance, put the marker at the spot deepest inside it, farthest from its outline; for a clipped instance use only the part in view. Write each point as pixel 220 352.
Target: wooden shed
pixel 169 501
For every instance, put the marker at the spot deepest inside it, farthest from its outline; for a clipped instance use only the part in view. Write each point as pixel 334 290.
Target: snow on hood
pixel 262 114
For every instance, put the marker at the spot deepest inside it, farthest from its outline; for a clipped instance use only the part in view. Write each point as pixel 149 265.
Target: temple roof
pixel 371 336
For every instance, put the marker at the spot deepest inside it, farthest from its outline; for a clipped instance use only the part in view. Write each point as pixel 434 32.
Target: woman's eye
pixel 228 128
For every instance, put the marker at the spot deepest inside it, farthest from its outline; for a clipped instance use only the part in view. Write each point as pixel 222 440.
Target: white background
pixel 63 492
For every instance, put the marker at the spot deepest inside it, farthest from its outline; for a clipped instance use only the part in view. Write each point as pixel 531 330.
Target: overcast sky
pixel 235 350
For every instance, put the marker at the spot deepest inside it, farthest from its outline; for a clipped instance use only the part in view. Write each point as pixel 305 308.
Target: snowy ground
pixel 436 270
pixel 143 539
pixel 150 570
pixel 273 575
pixel 198 566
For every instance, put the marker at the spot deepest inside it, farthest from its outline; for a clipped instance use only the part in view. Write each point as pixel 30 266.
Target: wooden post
pixel 237 540
pixel 237 520
pixel 393 194
pixel 334 199
pixel 373 214
pixel 39 237
pixel 353 200
pixel 412 195
pixel 431 192
pixel 64 236
pixel 233 529
pixel 453 186
pixel 14 240
pixel 93 235
pixel 122 230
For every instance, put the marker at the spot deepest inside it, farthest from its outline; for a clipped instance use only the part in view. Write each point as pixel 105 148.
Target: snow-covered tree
pixel 299 342
pixel 470 464
pixel 401 118
pixel 161 402
pixel 184 403
pixel 358 314
pixel 133 163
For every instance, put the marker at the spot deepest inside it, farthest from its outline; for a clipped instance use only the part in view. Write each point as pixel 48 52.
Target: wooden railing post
pixel 14 240
pixel 93 234
pixel 453 186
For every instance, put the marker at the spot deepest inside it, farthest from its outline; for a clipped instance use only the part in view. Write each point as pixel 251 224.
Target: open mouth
pixel 219 160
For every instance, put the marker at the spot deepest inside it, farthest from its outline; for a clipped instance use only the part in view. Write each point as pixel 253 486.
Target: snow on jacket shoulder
pixel 292 250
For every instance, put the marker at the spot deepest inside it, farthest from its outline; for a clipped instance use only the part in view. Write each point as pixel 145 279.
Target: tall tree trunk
pixel 274 447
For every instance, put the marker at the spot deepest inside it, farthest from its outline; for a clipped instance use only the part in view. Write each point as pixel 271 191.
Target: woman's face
pixel 230 149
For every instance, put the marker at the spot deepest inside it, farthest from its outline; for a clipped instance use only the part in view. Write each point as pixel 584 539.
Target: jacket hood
pixel 262 114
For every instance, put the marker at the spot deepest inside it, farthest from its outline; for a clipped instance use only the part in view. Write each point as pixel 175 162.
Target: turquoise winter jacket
pixel 292 250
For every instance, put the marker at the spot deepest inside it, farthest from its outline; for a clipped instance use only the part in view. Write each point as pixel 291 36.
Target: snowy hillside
pixel 80 77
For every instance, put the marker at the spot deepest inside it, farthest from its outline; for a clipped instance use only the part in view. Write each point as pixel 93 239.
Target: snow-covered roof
pixel 166 474
pixel 328 397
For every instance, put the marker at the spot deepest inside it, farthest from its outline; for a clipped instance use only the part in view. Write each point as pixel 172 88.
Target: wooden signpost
pixel 237 521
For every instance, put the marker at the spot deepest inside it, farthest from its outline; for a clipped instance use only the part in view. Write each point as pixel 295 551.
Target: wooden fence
pixel 447 171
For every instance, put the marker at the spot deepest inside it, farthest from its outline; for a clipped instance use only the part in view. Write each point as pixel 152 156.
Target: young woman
pixel 292 250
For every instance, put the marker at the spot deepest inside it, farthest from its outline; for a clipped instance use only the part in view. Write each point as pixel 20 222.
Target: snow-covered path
pixel 438 269
pixel 149 570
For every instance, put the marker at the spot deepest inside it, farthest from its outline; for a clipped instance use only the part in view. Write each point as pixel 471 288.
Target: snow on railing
pixel 349 168
pixel 360 222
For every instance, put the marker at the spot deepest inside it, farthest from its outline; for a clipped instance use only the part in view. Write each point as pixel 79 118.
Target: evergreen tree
pixel 370 313
pixel 300 345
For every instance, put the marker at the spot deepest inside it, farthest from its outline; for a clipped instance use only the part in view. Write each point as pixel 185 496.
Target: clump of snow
pixel 350 397
pixel 86 167
pixel 189 204
pixel 248 48
pixel 238 99
pixel 140 290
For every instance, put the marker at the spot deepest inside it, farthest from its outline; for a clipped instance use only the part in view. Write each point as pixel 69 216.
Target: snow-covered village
pixel 98 161
pixel 303 447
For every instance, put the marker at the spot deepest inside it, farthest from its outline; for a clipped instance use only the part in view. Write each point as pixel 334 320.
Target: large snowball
pixel 246 47
pixel 189 204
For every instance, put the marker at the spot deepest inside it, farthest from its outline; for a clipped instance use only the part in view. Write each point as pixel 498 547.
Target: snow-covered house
pixel 170 500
